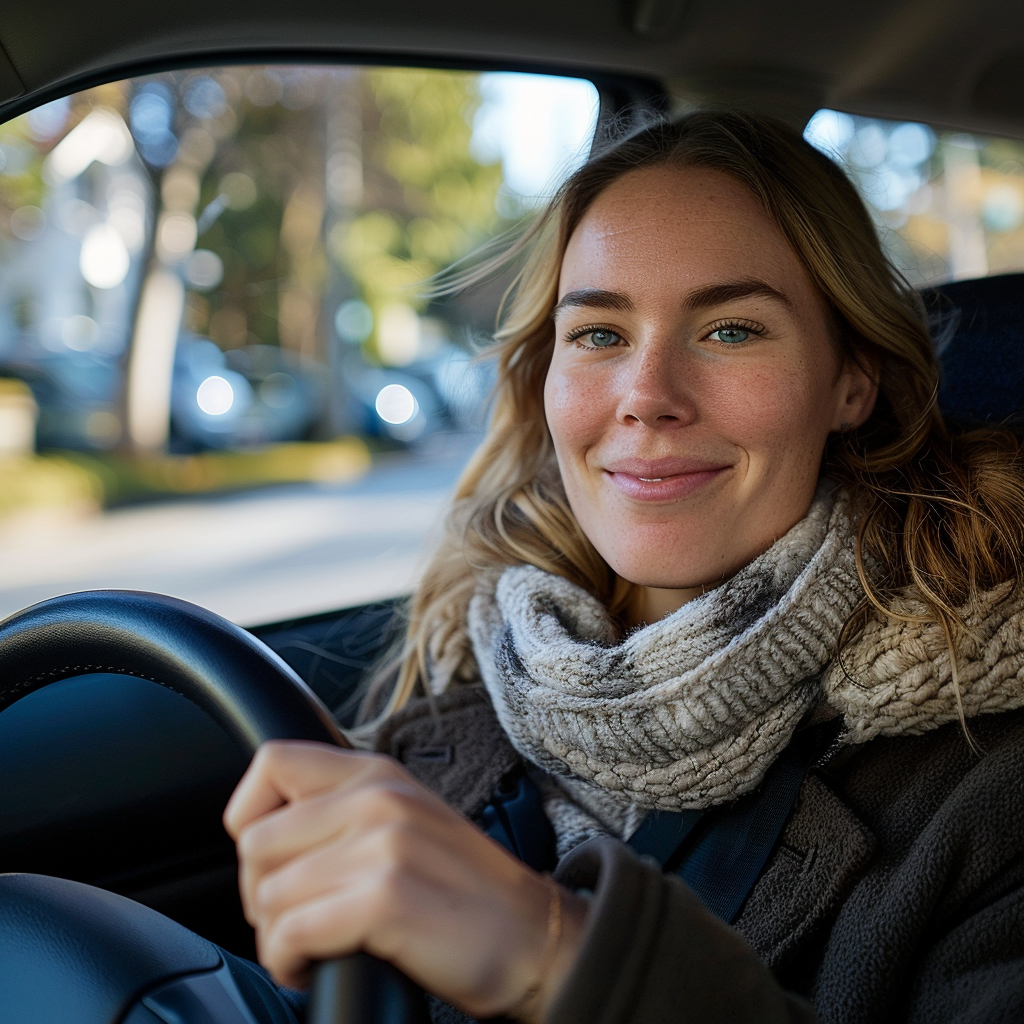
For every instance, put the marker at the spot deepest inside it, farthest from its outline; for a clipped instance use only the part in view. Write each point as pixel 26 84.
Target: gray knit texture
pixel 691 711
pixel 686 712
pixel 896 678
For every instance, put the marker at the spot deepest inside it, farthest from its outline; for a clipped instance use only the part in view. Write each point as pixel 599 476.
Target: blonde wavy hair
pixel 939 511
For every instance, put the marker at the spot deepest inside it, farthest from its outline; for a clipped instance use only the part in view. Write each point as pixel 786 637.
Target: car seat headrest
pixel 979 331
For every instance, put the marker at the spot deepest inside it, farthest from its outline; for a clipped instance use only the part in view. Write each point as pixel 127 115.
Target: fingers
pixel 391 895
pixel 350 894
pixel 334 923
pixel 351 794
pixel 389 847
pixel 456 913
pixel 297 830
pixel 284 771
pixel 342 851
pixel 308 932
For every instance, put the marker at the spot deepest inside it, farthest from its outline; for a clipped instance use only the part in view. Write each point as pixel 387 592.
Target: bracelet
pixel 554 935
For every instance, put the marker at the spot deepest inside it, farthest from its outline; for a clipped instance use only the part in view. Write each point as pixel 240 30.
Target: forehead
pixel 667 228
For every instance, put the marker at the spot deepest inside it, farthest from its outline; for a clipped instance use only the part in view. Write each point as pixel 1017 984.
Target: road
pixel 257 557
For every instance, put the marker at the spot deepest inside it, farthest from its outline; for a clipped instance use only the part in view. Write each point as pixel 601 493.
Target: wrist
pixel 567 915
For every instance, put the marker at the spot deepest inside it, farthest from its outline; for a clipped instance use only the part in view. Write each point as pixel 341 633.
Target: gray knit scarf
pixel 690 711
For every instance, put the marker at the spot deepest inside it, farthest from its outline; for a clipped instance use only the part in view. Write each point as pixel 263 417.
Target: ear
pixel 856 393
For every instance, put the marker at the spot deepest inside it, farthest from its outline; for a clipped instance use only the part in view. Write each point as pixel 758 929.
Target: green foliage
pixel 21 183
pixel 427 202
pixel 247 236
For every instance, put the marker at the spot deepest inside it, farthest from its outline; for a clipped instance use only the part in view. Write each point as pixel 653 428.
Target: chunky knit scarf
pixel 691 711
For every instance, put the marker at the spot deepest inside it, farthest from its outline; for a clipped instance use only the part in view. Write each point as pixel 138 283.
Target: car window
pixel 949 205
pixel 219 378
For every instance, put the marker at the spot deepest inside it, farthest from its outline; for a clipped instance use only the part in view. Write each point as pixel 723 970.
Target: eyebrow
pixel 702 298
pixel 594 298
pixel 716 294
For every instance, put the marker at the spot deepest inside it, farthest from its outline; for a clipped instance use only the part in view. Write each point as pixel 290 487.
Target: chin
pixel 654 573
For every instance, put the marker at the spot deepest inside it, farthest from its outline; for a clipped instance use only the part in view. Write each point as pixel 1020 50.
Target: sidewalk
pixel 255 557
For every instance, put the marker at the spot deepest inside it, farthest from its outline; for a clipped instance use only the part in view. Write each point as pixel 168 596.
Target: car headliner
pixel 951 62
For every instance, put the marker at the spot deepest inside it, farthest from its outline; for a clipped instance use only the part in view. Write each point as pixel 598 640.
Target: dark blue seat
pixel 980 336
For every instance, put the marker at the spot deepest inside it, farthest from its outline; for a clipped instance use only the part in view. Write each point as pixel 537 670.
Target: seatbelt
pixel 662 834
pixel 720 853
pixel 730 845
pixel 515 818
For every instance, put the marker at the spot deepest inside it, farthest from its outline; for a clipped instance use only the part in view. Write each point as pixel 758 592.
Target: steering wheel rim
pixel 232 676
pixel 196 653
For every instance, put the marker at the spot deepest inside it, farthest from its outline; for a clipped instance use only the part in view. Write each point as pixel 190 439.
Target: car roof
pixel 950 62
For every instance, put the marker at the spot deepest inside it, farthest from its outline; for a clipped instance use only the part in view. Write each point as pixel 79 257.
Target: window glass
pixel 208 286
pixel 950 205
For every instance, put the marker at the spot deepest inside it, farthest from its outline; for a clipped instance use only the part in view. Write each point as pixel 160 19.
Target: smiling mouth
pixel 669 487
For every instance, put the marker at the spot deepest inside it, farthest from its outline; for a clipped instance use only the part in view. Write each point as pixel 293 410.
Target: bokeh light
pixel 396 404
pixel 28 223
pixel 204 270
pixel 104 260
pixel 215 396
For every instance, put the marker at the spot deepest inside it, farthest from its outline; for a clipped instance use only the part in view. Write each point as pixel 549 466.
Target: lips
pixel 668 479
pixel 651 469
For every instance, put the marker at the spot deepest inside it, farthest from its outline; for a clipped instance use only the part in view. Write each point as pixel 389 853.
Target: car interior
pixel 127 720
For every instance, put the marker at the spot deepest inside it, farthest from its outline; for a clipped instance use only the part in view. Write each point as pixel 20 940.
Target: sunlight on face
pixel 693 382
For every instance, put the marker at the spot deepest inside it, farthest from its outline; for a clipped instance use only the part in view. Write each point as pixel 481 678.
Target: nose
pixel 656 388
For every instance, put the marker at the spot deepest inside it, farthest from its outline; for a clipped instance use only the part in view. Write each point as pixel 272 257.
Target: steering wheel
pixel 72 952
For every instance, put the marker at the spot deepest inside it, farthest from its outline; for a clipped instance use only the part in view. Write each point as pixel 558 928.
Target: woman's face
pixel 693 382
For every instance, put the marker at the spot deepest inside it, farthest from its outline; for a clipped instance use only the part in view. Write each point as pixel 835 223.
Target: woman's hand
pixel 342 851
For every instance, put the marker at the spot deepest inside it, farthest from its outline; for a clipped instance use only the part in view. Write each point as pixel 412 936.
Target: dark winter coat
pixel 896 892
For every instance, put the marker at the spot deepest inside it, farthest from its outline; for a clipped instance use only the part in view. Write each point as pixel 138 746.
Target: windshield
pixel 219 375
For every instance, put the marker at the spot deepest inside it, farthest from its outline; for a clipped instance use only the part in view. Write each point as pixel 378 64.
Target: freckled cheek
pixel 577 412
pixel 767 413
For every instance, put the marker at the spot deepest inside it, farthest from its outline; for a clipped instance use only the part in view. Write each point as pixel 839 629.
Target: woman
pixel 718 564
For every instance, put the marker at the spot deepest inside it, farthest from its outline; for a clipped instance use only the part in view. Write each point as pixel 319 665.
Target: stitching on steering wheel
pixel 68 671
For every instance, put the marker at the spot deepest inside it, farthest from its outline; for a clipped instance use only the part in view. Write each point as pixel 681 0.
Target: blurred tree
pixel 420 200
pixel 426 201
pixel 275 195
pixel 259 198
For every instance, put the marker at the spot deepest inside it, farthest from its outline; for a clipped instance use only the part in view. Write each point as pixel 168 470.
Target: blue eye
pixel 595 337
pixel 729 335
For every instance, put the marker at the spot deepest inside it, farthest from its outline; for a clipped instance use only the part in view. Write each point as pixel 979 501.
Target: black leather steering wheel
pixel 69 952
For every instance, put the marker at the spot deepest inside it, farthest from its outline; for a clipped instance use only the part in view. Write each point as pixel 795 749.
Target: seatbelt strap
pixel 661 835
pixel 515 818
pixel 720 853
pixel 727 856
